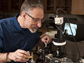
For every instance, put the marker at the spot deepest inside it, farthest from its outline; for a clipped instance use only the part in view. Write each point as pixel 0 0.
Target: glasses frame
pixel 36 19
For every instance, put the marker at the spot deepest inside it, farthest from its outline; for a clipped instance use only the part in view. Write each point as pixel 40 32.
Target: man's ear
pixel 24 15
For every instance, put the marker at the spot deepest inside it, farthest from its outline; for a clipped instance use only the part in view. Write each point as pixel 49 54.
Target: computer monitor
pixel 73 28
pixel 77 30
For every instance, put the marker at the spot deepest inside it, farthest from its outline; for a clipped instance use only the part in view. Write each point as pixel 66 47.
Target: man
pixel 19 34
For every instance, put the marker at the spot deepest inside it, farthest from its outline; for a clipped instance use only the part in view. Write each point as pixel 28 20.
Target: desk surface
pixel 71 49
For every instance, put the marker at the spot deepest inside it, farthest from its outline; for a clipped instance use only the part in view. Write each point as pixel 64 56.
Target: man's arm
pixel 17 56
pixel 3 57
pixel 43 39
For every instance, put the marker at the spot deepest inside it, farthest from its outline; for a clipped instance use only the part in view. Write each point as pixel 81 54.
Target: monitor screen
pixel 73 28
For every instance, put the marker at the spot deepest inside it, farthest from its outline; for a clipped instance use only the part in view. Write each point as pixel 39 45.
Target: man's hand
pixel 19 56
pixel 46 37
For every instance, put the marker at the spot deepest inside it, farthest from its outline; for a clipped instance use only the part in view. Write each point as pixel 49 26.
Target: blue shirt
pixel 13 37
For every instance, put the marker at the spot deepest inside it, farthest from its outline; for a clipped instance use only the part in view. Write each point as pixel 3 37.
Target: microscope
pixel 59 55
pixel 60 41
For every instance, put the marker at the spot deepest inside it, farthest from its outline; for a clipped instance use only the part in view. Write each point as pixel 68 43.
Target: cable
pixel 71 32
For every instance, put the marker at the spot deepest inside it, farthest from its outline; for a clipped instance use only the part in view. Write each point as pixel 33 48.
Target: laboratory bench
pixel 71 49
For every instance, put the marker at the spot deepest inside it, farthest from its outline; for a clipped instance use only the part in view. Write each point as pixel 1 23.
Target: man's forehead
pixel 37 13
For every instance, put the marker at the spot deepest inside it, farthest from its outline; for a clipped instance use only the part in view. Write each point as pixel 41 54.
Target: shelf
pixel 10 5
pixel 52 6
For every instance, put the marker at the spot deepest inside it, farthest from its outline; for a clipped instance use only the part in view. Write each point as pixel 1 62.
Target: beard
pixel 33 29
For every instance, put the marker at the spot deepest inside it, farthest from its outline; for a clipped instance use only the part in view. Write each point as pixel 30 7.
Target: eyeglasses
pixel 36 19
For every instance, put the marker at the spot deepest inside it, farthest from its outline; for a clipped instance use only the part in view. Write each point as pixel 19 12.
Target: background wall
pixel 79 17
pixel 46 16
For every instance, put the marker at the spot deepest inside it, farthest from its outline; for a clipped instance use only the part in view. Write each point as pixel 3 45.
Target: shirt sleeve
pixel 1 45
pixel 1 39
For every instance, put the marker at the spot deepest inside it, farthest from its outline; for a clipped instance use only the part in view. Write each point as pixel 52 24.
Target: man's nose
pixel 39 24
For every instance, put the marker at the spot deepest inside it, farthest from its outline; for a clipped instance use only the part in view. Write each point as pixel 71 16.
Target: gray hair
pixel 30 4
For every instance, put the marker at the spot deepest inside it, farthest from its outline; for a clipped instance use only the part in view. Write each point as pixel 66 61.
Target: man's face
pixel 33 19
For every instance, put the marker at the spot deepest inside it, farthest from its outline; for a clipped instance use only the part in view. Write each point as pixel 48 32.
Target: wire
pixel 71 32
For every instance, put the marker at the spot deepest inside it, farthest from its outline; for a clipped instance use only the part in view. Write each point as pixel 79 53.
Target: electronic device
pixel 77 31
pixel 59 55
pixel 59 42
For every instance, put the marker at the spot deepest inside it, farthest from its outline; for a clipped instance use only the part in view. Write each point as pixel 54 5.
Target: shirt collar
pixel 16 24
